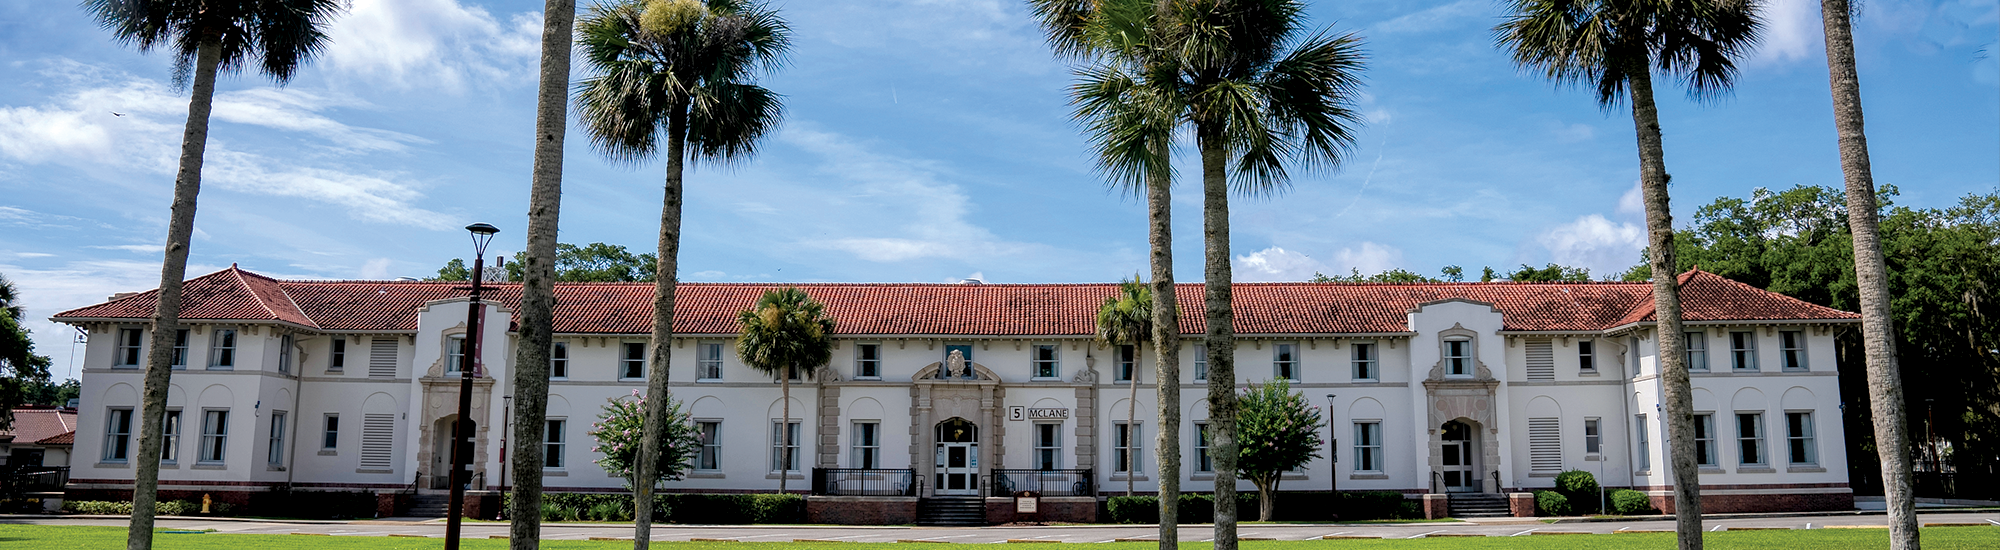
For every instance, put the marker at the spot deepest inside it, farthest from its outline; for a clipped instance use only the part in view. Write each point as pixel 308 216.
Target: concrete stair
pixel 952 511
pixel 430 506
pixel 1479 505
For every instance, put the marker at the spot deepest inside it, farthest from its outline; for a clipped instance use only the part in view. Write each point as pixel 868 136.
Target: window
pixel 454 351
pixel 559 360
pixel 1048 446
pixel 1201 362
pixel 1743 351
pixel 1593 440
pixel 1632 345
pixel 711 446
pixel 867 444
pixel 337 357
pixel 118 435
pixel 1645 455
pixel 285 354
pixel 181 349
pixel 222 350
pixel 275 455
pixel 1202 462
pixel 214 436
pixel 1458 357
pixel 1046 361
pixel 1697 351
pixel 708 360
pixel 633 365
pixel 1128 362
pixel 1586 356
pixel 1365 361
pixel 170 437
pixel 1704 440
pixel 329 434
pixel 1750 439
pixel 1368 446
pixel 1285 362
pixel 867 360
pixel 784 446
pixel 1545 454
pixel 553 443
pixel 1799 438
pixel 130 342
pixel 1793 344
pixel 378 440
pixel 1126 448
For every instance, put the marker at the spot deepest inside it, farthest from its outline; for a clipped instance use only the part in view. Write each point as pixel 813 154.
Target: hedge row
pixel 1576 493
pixel 685 508
pixel 164 508
pixel 1299 506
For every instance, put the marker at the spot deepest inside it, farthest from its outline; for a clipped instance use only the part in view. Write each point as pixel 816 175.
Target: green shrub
pixel 164 508
pixel 1135 509
pixel 1581 489
pixel 778 508
pixel 1551 503
pixel 1627 502
pixel 97 507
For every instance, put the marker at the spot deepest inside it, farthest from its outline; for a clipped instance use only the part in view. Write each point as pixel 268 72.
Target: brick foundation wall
pixel 1436 506
pixel 1521 505
pixel 1766 498
pixel 391 504
pixel 1000 510
pixel 861 510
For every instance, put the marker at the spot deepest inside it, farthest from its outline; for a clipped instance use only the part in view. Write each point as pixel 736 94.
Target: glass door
pixel 1457 458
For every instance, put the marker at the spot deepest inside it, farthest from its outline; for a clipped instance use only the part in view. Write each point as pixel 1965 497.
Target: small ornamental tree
pixel 621 425
pixel 1278 431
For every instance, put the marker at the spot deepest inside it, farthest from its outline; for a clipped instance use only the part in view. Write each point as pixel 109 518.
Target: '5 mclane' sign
pixel 1025 413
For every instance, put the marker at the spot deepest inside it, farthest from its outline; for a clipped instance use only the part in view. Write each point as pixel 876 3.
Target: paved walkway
pixel 1499 527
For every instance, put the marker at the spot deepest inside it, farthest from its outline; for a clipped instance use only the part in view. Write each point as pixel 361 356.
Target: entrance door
pixel 957 458
pixel 1459 473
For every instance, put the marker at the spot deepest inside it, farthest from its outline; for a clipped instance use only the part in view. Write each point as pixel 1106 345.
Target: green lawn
pixel 1937 538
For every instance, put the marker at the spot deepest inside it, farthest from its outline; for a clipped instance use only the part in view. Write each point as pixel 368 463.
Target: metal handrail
pixel 865 482
pixel 1072 482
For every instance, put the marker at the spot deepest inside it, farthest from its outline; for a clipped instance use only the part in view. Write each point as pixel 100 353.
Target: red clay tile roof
pixel 65 438
pixel 973 310
pixel 41 423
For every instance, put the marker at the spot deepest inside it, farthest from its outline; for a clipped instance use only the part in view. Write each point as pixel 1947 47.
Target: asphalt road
pixel 1503 527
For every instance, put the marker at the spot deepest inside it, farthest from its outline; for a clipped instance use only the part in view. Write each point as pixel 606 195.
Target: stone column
pixel 1086 429
pixel 922 448
pixel 829 427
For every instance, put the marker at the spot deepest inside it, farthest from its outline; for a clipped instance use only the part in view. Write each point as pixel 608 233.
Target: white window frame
pixel 131 350
pixel 170 437
pixel 1048 450
pixel 1643 438
pixel 1705 452
pixel 559 360
pixel 555 443
pixel 709 458
pixel 1801 436
pixel 1586 356
pixel 1201 363
pixel 1458 365
pixel 329 432
pixel 274 455
pixel 454 353
pixel 1743 358
pixel 1128 437
pixel 1753 441
pixel 1203 464
pixel 1696 350
pixel 1045 368
pixel 1792 351
pixel 868 361
pixel 285 354
pixel 1125 359
pixel 708 366
pixel 1285 362
pixel 1367 360
pixel 336 356
pixel 117 435
pixel 626 361
pixel 222 349
pixel 864 444
pixel 1593 437
pixel 784 445
pixel 1368 451
pixel 214 435
pixel 180 349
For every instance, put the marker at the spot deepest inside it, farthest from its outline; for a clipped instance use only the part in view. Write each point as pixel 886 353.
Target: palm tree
pixel 786 333
pixel 1615 46
pixel 207 38
pixel 1885 382
pixel 537 325
pixel 1131 125
pixel 684 71
pixel 1126 319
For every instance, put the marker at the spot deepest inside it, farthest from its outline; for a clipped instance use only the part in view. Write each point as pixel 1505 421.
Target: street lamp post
pixel 1332 450
pixel 461 435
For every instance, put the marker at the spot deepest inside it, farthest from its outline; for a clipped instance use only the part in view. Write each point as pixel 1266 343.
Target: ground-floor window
pixel 1799 438
pixel 214 435
pixel 170 441
pixel 553 443
pixel 1645 454
pixel 118 435
pixel 711 446
pixel 275 456
pixel 1202 462
pixel 867 443
pixel 1750 439
pixel 1368 446
pixel 1704 440
pixel 784 446
pixel 1048 446
pixel 1127 447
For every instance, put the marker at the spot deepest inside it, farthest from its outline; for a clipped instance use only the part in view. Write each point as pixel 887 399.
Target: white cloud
pixel 375 269
pixel 1278 264
pixel 45 292
pixel 1633 202
pixel 934 212
pixel 433 45
pixel 1435 19
pixel 1792 31
pixel 1593 242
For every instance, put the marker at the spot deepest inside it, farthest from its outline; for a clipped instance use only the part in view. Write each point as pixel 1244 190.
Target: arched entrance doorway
pixel 1460 468
pixel 957 457
pixel 443 456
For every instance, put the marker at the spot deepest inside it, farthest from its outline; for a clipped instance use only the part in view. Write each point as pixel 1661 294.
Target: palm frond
pixel 280 35
pixel 726 120
pixel 1064 23
pixel 1128 122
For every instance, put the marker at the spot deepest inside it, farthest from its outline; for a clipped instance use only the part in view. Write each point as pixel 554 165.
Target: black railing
pixel 864 482
pixel 1051 483
pixel 19 480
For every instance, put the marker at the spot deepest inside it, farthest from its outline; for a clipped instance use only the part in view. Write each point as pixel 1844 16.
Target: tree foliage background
pixel 590 263
pixel 21 370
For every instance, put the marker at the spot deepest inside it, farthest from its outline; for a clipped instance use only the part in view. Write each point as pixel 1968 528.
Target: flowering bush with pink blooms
pixel 1276 432
pixel 618 431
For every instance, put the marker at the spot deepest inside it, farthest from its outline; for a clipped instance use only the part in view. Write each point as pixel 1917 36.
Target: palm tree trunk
pixel 538 299
pixel 1885 382
pixel 784 429
pixel 665 278
pixel 1166 346
pixel 1679 395
pixel 167 312
pixel 1132 418
pixel 1221 337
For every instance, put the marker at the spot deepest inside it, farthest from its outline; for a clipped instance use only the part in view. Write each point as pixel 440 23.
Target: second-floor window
pixel 180 349
pixel 130 342
pixel 1200 363
pixel 1697 351
pixel 708 360
pixel 633 364
pixel 454 350
pixel 1365 362
pixel 285 354
pixel 1793 345
pixel 1045 361
pixel 337 356
pixel 222 352
pixel 1285 362
pixel 1586 355
pixel 559 360
pixel 1743 351
pixel 1458 357
pixel 867 360
pixel 1128 364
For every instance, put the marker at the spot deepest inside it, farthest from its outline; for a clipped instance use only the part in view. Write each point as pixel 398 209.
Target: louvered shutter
pixel 378 440
pixel 1541 360
pixel 1545 445
pixel 382 358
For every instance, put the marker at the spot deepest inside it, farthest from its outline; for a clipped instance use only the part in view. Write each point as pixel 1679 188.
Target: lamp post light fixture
pixel 461 431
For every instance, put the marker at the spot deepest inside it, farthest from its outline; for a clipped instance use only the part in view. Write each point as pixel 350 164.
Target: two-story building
pixel 968 390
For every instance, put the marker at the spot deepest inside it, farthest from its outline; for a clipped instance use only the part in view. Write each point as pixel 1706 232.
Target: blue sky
pixel 925 140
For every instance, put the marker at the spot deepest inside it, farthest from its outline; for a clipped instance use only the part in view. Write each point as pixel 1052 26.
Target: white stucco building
pixel 1429 388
